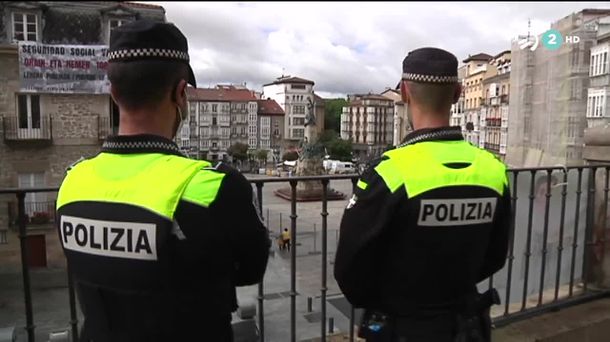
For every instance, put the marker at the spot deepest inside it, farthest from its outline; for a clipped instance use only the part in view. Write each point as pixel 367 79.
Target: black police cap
pixel 149 40
pixel 430 65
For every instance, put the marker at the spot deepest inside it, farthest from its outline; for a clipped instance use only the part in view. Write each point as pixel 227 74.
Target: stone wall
pixel 76 116
pixel 75 120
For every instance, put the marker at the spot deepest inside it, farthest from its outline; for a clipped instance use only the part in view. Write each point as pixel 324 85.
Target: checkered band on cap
pixel 146 52
pixel 429 78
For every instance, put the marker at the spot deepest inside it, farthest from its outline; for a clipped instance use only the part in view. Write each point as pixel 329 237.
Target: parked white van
pixel 340 167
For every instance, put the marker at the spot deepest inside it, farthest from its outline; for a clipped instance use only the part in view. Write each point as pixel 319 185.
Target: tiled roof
pixel 359 98
pixel 478 57
pixel 130 4
pixel 269 107
pixel 501 53
pixel 288 79
pixel 142 5
pixel 220 95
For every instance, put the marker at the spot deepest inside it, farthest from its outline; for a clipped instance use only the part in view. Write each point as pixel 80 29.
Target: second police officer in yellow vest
pixel 427 222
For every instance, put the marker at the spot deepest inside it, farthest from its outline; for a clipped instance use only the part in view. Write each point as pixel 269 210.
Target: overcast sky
pixel 345 47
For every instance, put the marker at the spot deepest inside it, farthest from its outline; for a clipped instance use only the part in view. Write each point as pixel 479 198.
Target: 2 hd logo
pixel 551 40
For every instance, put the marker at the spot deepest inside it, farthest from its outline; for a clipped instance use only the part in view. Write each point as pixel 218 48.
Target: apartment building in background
pixel 476 66
pixel 402 126
pixel 549 94
pixel 494 111
pixel 457 109
pixel 368 122
pixel 598 111
pixel 271 128
pixel 295 95
pixel 42 132
pixel 223 115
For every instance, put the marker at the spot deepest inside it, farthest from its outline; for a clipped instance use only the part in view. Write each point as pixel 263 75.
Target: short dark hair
pixel 143 84
pixel 434 97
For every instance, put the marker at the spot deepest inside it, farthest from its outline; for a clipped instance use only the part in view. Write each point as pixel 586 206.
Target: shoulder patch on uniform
pixel 352 202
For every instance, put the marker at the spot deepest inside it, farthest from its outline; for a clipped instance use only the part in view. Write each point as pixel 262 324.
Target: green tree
pixel 238 151
pixel 340 149
pixel 290 156
pixel 332 113
pixel 327 136
pixel 336 147
pixel 262 155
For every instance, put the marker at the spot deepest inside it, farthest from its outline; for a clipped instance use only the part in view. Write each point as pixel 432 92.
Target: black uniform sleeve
pixel 236 213
pixel 495 258
pixel 365 218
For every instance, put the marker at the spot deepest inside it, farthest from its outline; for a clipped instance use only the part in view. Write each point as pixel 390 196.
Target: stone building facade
pixel 41 134
pixel 368 122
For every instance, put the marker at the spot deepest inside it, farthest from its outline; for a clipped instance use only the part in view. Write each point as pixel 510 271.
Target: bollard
pixel 315 238
pixel 331 325
pixel 309 304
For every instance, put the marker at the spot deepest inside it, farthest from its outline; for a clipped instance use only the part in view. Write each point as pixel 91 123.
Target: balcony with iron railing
pixel 39 214
pixel 550 263
pixel 493 122
pixel 492 147
pixel 29 128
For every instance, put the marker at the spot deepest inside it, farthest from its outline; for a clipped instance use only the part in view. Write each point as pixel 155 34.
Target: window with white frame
pixel 205 144
pixel 265 121
pixel 596 103
pixel 298 109
pixel 192 107
pixel 298 133
pixel 252 142
pixel 28 109
pixel 599 60
pixel 242 130
pixel 252 130
pixel 34 202
pixel 25 26
pixel 265 131
pixel 185 132
pixel 224 144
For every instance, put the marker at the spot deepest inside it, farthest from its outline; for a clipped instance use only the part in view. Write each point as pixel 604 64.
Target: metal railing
pixel 36 213
pixel 554 234
pixel 27 129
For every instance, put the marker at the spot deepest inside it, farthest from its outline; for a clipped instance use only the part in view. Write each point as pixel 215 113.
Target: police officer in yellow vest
pixel 152 238
pixel 427 221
